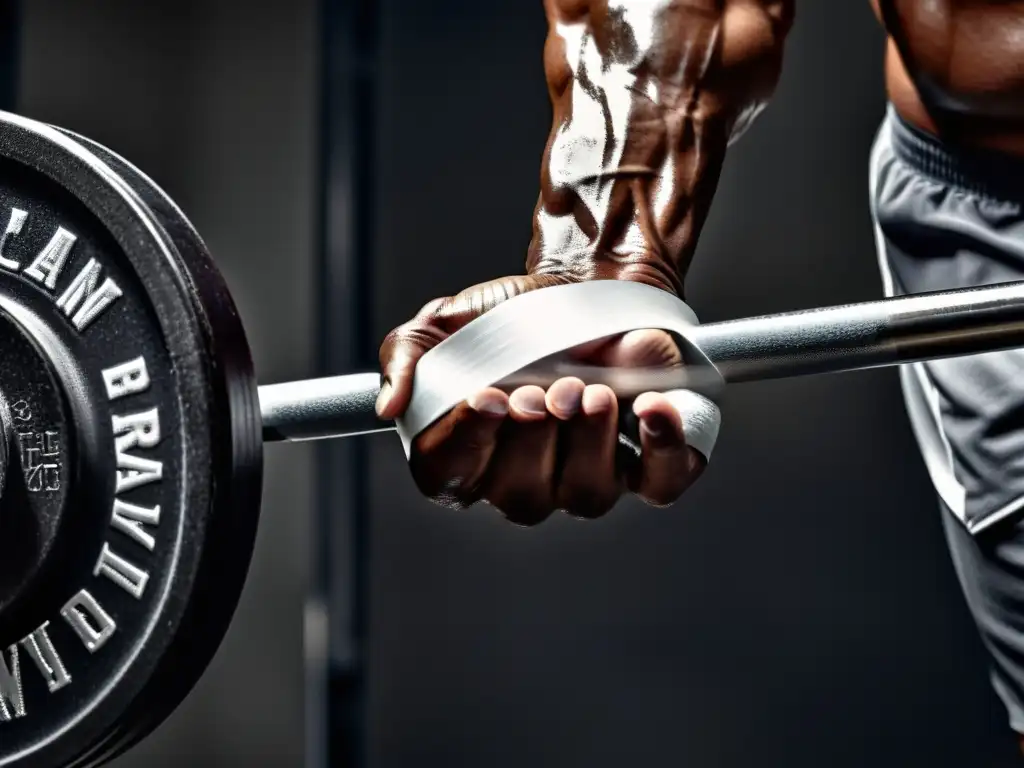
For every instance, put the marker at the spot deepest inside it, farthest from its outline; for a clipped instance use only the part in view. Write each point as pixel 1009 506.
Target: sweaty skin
pixel 646 97
pixel 955 68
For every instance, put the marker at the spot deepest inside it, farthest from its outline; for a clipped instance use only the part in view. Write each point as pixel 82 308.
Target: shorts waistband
pixel 987 173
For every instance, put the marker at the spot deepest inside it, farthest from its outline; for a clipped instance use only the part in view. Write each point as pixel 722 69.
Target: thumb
pixel 401 350
pixel 639 349
pixel 396 387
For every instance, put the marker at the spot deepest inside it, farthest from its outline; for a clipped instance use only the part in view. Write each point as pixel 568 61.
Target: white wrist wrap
pixel 543 323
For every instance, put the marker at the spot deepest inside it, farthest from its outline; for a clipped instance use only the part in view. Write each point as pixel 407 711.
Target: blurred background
pixel 347 162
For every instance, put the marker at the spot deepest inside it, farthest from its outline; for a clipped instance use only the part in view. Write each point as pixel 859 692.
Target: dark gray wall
pixel 215 100
pixel 798 608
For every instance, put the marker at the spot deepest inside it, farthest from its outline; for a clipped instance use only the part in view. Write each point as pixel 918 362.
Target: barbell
pixel 131 424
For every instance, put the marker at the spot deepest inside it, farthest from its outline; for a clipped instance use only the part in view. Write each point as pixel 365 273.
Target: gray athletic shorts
pixel 942 221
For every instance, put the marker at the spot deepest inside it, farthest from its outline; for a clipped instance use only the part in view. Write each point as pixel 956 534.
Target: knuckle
pixel 652 348
pixel 432 449
pixel 475 436
pixel 432 307
pixel 451 493
pixel 667 492
pixel 528 519
pixel 445 483
pixel 410 339
pixel 523 509
pixel 475 441
pixel 658 501
pixel 584 504
pixel 662 495
pixel 457 311
pixel 421 335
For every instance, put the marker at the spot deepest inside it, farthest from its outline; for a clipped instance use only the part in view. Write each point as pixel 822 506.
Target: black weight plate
pixel 229 541
pixel 203 392
pixel 226 552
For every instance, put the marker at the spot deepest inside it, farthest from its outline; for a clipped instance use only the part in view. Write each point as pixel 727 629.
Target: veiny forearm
pixel 647 95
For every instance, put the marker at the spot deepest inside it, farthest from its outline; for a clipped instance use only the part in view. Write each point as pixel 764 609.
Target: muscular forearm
pixel 647 95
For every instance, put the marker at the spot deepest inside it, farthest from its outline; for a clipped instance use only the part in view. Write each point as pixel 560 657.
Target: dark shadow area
pixel 797 609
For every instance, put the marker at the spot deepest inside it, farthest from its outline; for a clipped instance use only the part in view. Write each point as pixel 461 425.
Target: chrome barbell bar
pixel 836 339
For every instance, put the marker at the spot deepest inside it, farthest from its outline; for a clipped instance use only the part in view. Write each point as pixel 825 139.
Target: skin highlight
pixel 646 98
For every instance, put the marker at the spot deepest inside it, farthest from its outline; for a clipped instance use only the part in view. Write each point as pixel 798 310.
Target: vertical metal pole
pixel 336 619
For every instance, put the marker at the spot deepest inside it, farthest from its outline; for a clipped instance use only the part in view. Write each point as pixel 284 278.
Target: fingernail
pixel 489 403
pixel 386 391
pixel 567 400
pixel 529 401
pixel 659 430
pixel 597 400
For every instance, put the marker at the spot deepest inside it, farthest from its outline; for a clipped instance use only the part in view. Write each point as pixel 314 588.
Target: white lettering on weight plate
pixel 139 430
pixel 142 430
pixel 93 625
pixel 41 460
pixel 127 576
pixel 14 225
pixel 47 266
pixel 88 294
pixel 41 650
pixel 85 299
pixel 133 434
pixel 131 520
pixel 12 695
pixel 126 379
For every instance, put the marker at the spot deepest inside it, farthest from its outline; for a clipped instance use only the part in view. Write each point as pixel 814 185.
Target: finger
pixel 589 484
pixel 450 459
pixel 528 404
pixel 396 384
pixel 406 344
pixel 564 398
pixel 401 350
pixel 521 476
pixel 668 466
pixel 589 351
pixel 638 349
pixel 474 301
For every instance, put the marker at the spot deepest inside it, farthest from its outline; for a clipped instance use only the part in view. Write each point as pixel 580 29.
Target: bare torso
pixel 957 67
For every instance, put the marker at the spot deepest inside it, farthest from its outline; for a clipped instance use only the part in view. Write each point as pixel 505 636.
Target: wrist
pixel 644 266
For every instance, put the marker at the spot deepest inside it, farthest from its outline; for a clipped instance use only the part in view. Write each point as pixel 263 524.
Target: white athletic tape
pixel 701 419
pixel 536 325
